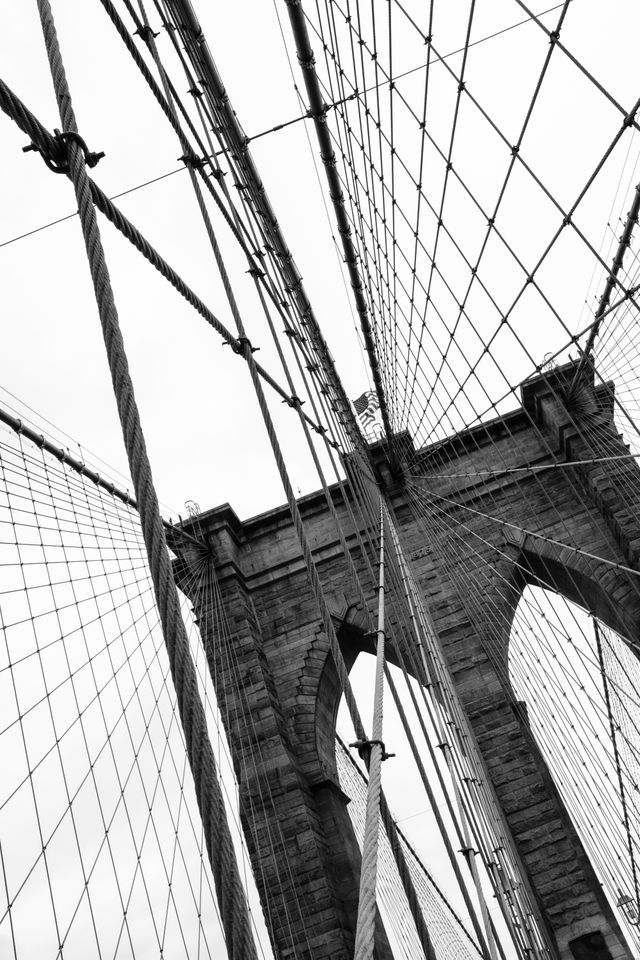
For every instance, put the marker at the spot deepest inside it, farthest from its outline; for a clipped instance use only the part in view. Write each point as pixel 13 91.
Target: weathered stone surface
pixel 279 693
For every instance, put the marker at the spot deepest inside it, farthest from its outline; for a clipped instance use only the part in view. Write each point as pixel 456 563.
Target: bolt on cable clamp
pixel 58 162
pixel 192 161
pixel 364 748
pixel 146 34
pixel 241 345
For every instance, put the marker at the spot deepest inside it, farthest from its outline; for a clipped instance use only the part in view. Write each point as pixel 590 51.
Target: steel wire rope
pixel 375 754
pixel 525 270
pixel 540 536
pixel 502 373
pixel 549 360
pixel 118 220
pixel 221 628
pixel 160 781
pixel 309 562
pixel 169 99
pixel 128 818
pixel 190 30
pixel 465 814
pixel 495 127
pixel 505 319
pixel 315 581
pixel 392 595
pixel 322 195
pixel 437 768
pixel 476 201
pixel 619 773
pixel 367 288
pixel 112 13
pixel 443 192
pixel 361 778
pixel 608 255
pixel 355 202
pixel 383 255
pixel 54 745
pixel 452 814
pixel 580 498
pixel 511 164
pixel 630 117
pixel 227 649
pixel 294 341
pixel 305 57
pixel 57 747
pixel 204 619
pixel 351 194
pixel 233 907
pixel 460 814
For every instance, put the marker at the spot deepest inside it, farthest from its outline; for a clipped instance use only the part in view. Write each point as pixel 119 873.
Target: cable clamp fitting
pixel 374 634
pixel 364 749
pixel 294 402
pixel 58 162
pixel 193 162
pixel 146 33
pixel 242 346
pixel 467 852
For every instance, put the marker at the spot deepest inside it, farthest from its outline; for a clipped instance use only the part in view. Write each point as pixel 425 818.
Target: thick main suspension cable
pixel 374 753
pixel 318 112
pixel 231 896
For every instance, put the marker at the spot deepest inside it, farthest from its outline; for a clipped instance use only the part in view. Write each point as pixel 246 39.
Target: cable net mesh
pixel 580 697
pixel 465 223
pixel 102 846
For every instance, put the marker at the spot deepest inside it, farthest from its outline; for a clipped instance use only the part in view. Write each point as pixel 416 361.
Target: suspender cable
pixel 374 753
pixel 318 111
pixel 316 585
pixel 231 896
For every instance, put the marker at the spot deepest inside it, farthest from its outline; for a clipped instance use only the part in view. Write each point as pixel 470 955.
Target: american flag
pixel 368 411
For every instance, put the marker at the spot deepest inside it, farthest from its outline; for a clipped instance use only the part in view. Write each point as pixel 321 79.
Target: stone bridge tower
pixel 278 691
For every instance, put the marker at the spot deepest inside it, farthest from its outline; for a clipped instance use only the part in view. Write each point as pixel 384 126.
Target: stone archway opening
pixel 587 729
